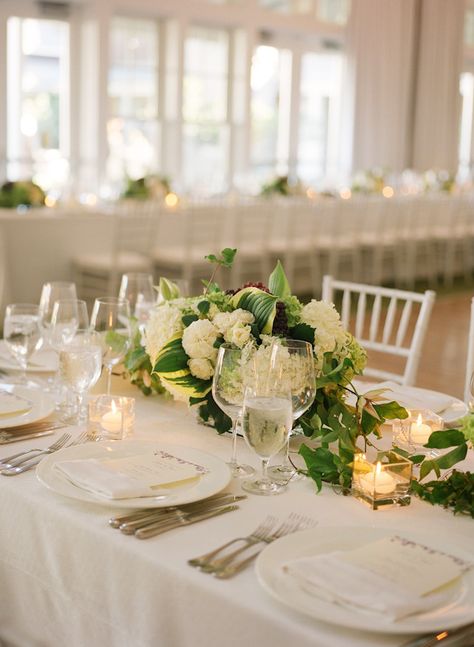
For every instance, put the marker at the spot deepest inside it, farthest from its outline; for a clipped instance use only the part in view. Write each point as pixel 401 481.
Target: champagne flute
pixel 50 293
pixel 111 320
pixel 292 362
pixel 228 393
pixel 266 424
pixel 138 289
pixel 22 333
pixel 80 363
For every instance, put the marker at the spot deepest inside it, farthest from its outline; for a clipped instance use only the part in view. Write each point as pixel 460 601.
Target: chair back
pixel 392 327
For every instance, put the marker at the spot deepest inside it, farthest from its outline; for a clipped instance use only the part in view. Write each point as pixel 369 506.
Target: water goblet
pixel 50 293
pixel 292 363
pixel 22 333
pixel 228 393
pixel 138 289
pixel 110 319
pixel 266 424
pixel 80 363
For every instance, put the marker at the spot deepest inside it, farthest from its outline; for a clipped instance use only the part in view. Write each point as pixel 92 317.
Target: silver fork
pixel 21 457
pixel 294 523
pixel 32 462
pixel 264 528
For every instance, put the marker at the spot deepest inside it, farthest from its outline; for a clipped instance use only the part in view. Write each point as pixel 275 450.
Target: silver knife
pixel 116 522
pixel 172 515
pixel 447 637
pixel 6 438
pixel 157 529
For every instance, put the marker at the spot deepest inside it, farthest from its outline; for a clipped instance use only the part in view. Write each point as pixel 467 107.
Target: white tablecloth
pixel 69 579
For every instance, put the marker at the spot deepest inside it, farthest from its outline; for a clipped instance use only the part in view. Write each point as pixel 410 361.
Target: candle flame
pixel 114 407
pixel 419 420
pixel 378 468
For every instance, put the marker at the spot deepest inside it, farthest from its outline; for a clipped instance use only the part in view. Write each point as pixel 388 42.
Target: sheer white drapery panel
pixel 437 107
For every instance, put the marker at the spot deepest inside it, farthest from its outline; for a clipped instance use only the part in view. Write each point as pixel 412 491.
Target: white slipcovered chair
pixel 392 327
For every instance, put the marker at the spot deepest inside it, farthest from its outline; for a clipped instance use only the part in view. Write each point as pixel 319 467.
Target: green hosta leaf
pixel 172 357
pixel 203 307
pixel 261 304
pixel 117 342
pixel 278 283
pixel 445 438
pixel 168 289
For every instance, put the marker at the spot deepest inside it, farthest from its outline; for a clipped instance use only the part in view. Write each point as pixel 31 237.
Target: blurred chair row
pixel 369 240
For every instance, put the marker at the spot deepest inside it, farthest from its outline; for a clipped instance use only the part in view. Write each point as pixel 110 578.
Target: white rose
pixel 201 368
pixel 198 340
pixel 238 335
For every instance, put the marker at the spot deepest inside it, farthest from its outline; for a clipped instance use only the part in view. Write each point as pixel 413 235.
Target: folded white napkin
pixel 144 475
pixel 390 577
pixel 410 398
pixel 12 404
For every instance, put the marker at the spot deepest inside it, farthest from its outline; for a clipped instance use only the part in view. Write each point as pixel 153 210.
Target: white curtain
pixel 379 82
pixel 437 106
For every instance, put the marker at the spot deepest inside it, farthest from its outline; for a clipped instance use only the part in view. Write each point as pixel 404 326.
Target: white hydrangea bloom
pixel 201 368
pixel 165 321
pixel 226 320
pixel 324 318
pixel 199 338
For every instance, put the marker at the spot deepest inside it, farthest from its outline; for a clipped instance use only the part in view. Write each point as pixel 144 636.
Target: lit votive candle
pixel 112 420
pixel 378 481
pixel 420 431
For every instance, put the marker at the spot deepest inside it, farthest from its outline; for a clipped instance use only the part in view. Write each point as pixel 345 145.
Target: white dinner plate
pixel 457 612
pixel 215 480
pixel 452 409
pixel 42 361
pixel 42 405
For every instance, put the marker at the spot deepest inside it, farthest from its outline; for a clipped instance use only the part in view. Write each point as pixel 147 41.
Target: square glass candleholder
pixel 383 480
pixel 111 417
pixel 412 433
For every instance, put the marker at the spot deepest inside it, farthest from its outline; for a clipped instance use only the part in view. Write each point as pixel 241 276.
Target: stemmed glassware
pixel 110 319
pixel 138 289
pixel 80 363
pixel 292 364
pixel 50 293
pixel 22 333
pixel 228 393
pixel 266 424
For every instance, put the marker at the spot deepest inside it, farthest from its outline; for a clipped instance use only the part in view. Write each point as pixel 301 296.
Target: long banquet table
pixel 68 579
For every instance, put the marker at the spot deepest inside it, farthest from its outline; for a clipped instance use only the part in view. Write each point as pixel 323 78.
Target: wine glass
pixel 22 333
pixel 292 362
pixel 80 364
pixel 228 392
pixel 138 289
pixel 50 293
pixel 111 320
pixel 266 423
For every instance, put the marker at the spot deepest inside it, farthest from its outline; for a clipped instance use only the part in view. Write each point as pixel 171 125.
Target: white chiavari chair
pixel 385 322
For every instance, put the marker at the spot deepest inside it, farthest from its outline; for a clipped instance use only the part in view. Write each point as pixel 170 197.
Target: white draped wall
pixel 404 62
pixel 437 104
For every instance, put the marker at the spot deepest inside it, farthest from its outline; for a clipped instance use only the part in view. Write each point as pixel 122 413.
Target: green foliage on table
pixel 225 259
pixel 147 188
pixel 138 366
pixel 278 283
pixel 455 492
pixel 261 304
pixel 278 186
pixel 15 194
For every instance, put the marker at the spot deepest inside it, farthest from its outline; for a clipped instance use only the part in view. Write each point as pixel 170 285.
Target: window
pixel 466 88
pixel 335 11
pixel 318 142
pixel 271 83
pixel 132 127
pixel 205 129
pixel 37 104
pixel 469 28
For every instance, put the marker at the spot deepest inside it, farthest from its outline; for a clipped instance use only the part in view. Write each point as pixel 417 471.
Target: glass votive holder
pixel 383 481
pixel 413 432
pixel 111 417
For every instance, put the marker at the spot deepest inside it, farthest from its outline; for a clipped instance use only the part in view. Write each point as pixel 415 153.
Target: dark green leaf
pixel 278 283
pixel 188 319
pixel 445 438
pixel 203 307
pixel 304 332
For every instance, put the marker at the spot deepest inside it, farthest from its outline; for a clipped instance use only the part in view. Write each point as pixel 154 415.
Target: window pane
pixel 132 128
pixel 319 114
pixel 205 87
pixel 37 78
pixel 336 11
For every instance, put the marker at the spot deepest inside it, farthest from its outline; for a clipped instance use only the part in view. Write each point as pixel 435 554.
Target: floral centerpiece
pixel 26 192
pixel 177 353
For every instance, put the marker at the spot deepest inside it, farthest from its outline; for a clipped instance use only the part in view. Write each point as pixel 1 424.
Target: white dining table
pixel 68 578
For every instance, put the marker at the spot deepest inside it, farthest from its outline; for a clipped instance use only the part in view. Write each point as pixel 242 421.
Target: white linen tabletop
pixel 69 579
